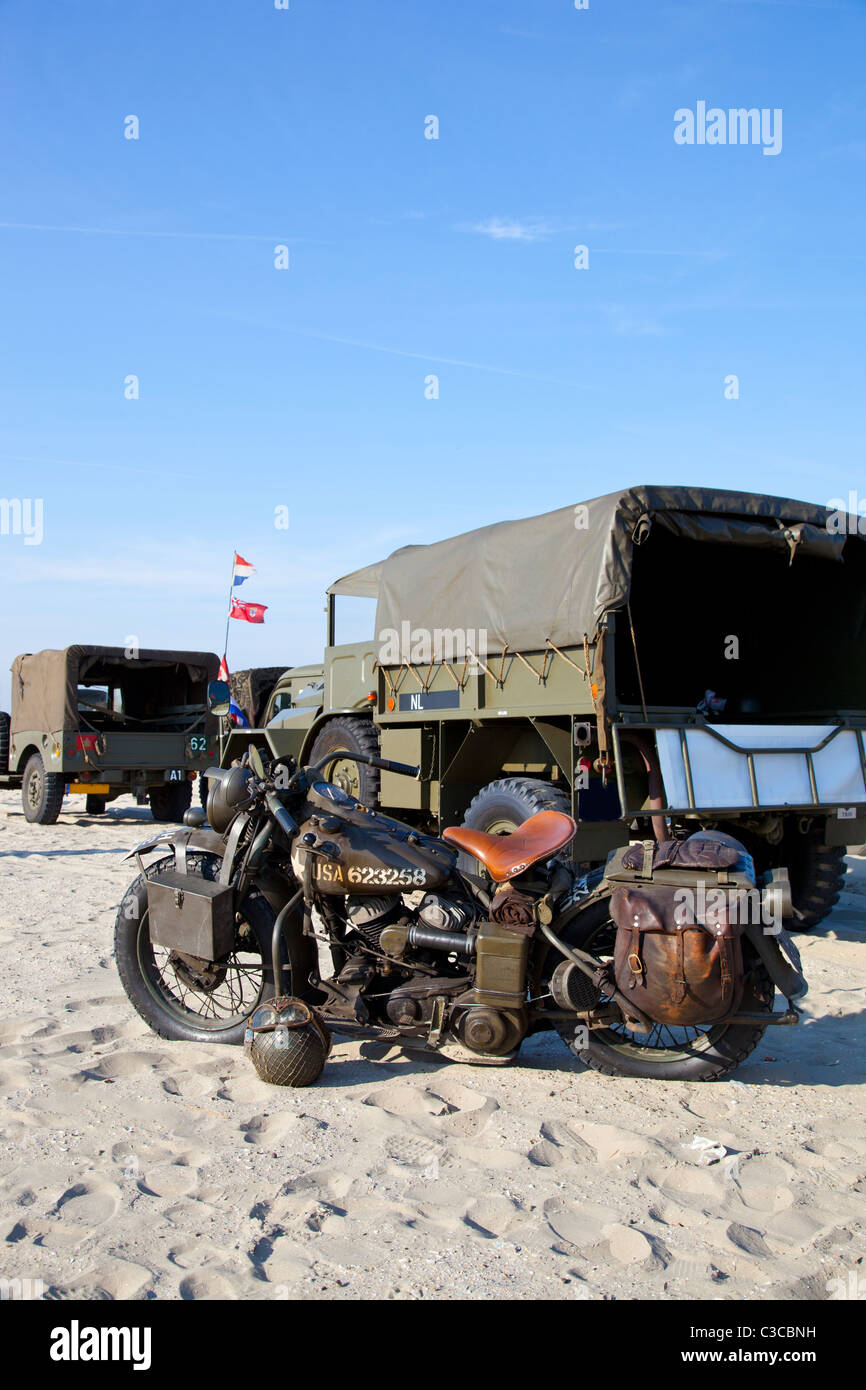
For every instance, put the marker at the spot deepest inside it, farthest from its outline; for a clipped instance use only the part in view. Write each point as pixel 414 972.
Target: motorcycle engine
pixel 368 916
pixel 444 914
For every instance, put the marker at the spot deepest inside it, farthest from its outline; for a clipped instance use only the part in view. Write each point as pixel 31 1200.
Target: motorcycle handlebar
pixel 403 769
pixel 281 815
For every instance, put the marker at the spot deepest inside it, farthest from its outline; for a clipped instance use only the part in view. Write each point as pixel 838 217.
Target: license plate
pixel 90 788
pixel 175 774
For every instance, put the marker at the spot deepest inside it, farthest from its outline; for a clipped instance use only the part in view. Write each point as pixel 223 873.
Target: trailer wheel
pixel 41 792
pixel 345 734
pixel 4 741
pixel 502 806
pixel 817 874
pixel 168 802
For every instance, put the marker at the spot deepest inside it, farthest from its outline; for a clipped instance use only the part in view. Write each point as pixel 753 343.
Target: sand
pixel 134 1168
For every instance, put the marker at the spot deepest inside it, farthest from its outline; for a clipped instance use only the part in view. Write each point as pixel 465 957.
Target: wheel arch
pixel 324 718
pixel 24 757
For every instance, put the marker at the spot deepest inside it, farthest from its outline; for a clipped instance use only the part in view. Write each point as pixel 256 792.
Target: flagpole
pixel 229 613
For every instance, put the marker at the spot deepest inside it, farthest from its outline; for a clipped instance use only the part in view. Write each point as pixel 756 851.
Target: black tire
pixel 149 987
pixel 707 1056
pixel 502 806
pixel 347 734
pixel 817 875
pixel 95 805
pixel 203 789
pixel 4 742
pixel 41 792
pixel 168 802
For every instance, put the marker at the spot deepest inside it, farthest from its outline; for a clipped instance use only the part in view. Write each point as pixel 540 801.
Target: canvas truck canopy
pixel 553 577
pixel 45 685
pixel 366 582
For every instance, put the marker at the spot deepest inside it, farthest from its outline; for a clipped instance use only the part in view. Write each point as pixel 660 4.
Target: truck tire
pixel 817 875
pixel 168 802
pixel 348 734
pixel 41 792
pixel 4 742
pixel 501 806
pixel 95 805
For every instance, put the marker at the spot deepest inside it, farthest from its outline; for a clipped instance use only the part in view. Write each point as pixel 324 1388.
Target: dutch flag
pixel 242 570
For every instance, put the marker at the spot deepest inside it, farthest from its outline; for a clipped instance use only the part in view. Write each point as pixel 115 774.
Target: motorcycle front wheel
pixel 178 1000
pixel 703 1052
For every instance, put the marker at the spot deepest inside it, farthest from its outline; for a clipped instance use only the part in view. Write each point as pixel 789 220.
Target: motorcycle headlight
pixel 225 794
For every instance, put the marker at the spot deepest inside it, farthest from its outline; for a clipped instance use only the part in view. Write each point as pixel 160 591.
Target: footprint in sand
pixel 493 1216
pixel 559 1147
pixel 612 1144
pixel 83 1040
pixel 268 1129
pixel 579 1223
pixel 328 1185
pixel 207 1286
pixel 76 1005
pixel 696 1188
pixel 169 1180
pixel 14 1075
pixel 88 1203
pixel 121 1064
pixel 242 1089
pixel 196 1254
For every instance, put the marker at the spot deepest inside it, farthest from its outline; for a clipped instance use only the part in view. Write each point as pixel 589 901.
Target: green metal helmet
pixel 287 1041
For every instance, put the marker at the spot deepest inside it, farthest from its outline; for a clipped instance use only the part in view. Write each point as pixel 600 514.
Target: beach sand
pixel 135 1168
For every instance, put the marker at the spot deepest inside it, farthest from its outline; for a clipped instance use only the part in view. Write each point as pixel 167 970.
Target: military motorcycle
pixel 295 889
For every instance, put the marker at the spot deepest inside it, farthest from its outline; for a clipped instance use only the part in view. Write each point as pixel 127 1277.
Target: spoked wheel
pixel 702 1052
pixel 180 997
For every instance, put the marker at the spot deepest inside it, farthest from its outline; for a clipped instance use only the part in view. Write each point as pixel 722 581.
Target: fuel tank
pixel 348 848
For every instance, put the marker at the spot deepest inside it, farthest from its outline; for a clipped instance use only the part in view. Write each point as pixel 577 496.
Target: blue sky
pixel 305 387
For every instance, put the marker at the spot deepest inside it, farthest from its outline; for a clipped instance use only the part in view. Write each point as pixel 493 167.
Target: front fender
pixel 202 838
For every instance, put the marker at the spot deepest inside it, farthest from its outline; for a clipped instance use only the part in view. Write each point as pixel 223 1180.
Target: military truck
pixel 653 661
pixel 100 721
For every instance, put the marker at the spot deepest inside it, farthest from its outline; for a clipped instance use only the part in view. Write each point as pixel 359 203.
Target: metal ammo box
pixel 192 915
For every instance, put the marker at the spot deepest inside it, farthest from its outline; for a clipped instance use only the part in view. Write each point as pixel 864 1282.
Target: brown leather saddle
pixel 506 856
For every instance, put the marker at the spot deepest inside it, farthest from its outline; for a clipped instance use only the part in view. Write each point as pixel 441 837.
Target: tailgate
pixel 125 750
pixel 767 767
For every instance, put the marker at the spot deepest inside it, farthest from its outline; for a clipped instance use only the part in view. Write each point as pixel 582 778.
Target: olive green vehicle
pixel 653 661
pixel 102 721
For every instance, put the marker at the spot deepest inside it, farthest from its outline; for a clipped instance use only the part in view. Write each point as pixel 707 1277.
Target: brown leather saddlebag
pixel 676 968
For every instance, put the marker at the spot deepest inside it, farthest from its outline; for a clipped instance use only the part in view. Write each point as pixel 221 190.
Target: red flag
pixel 223 672
pixel 248 612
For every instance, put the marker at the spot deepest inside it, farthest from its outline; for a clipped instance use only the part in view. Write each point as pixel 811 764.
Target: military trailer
pixel 251 690
pixel 654 661
pixel 101 722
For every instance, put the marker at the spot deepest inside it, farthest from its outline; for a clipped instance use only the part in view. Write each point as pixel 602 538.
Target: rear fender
pixel 782 959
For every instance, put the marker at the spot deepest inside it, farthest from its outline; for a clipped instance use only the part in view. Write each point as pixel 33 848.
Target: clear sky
pixel 304 388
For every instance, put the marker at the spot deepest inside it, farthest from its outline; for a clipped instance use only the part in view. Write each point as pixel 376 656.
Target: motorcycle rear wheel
pixel 163 992
pixel 706 1052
